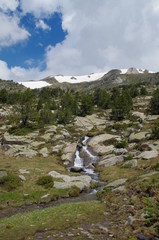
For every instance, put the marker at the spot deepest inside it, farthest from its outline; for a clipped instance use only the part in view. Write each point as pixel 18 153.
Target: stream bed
pixel 84 160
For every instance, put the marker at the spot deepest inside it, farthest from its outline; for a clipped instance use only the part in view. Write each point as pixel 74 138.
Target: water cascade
pixel 86 160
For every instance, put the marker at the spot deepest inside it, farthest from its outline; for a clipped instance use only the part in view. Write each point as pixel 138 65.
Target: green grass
pixel 116 172
pixel 56 218
pixel 38 167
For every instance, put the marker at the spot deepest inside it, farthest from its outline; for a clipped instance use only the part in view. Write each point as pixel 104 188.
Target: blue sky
pixel 31 53
pixel 73 37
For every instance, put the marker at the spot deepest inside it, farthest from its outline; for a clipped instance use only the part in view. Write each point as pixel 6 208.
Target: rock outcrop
pixel 80 181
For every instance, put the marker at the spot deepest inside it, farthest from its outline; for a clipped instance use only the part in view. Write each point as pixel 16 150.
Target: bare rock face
pixel 12 139
pixel 130 164
pixel 44 152
pixel 146 155
pixel 96 143
pixel 87 123
pixel 80 181
pixel 110 160
pixel 137 137
pixel 139 115
pixel 117 183
pixel 69 152
pixel 132 71
pixel 3 174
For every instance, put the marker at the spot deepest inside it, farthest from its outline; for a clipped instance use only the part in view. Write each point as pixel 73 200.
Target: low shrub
pixel 45 181
pixel 121 144
pixel 100 194
pixel 10 181
pixel 74 191
pixel 95 184
pixel 155 130
pixel 156 167
pixel 128 157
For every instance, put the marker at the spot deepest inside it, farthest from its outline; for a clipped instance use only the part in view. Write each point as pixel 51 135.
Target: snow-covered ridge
pixel 79 79
pixel 35 84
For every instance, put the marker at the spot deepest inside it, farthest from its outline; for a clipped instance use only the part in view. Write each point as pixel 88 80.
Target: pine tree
pixel 154 103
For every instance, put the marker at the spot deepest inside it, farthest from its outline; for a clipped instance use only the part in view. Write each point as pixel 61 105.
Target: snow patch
pixel 79 79
pixel 35 84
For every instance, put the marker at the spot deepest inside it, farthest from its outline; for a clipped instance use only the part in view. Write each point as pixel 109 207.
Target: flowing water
pixel 86 160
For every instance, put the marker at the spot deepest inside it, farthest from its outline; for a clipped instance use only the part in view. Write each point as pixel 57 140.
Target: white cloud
pixel 112 34
pixel 40 8
pixel 101 35
pixel 11 33
pixel 41 24
pixel 4 71
pixel 6 5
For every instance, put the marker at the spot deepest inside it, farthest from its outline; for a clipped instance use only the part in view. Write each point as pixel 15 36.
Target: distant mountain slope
pixel 10 85
pixel 94 80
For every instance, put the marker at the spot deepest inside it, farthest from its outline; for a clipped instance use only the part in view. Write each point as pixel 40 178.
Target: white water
pixel 79 162
pixel 88 152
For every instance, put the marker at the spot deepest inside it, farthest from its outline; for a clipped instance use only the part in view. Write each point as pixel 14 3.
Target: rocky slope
pixel 90 82
pixel 128 167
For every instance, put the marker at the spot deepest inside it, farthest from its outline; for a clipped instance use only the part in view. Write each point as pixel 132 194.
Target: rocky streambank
pixel 127 165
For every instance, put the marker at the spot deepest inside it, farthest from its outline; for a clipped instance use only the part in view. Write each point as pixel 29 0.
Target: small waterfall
pixel 78 160
pixel 88 152
pixel 87 161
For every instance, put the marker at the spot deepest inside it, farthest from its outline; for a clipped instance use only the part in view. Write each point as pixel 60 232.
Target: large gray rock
pixel 57 148
pixel 22 177
pixel 3 174
pixel 36 144
pixel 13 139
pixel 101 138
pixel 96 143
pixel 47 136
pixel 29 153
pixel 120 151
pixel 137 137
pixel 89 122
pixel 70 148
pixel 117 183
pixel 146 155
pixel 69 152
pixel 149 174
pixel 152 118
pixel 130 164
pixel 110 160
pixel 44 152
pixel 139 115
pixel 24 171
pixel 69 181
pixel 58 137
pixel 51 129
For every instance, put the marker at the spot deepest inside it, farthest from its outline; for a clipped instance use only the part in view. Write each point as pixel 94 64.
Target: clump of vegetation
pixel 45 181
pixel 152 213
pixel 121 144
pixel 143 91
pixel 121 104
pixel 155 130
pixel 154 103
pixel 156 167
pixel 132 238
pixel 95 184
pixel 128 157
pixel 74 191
pixel 10 182
pixel 101 193
pixel 101 98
